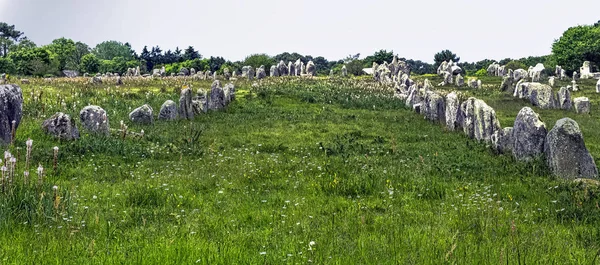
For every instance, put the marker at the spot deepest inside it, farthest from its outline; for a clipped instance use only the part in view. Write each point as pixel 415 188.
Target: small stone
pixel 168 111
pixel 143 114
pixel 61 126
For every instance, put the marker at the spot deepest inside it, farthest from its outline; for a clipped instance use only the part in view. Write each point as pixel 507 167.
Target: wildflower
pixel 40 171
pixel 310 244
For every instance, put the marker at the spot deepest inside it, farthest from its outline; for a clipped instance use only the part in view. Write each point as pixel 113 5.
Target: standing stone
pixel 566 153
pixel 519 74
pixel 331 73
pixel 291 69
pixel 479 120
pixel 119 81
pixel 184 71
pixel 186 110
pixel 582 105
pixel 61 126
pixel 143 115
pixel 452 112
pixel 541 95
pixel 192 71
pixel 11 109
pixel 282 68
pixel 217 96
pixel 507 82
pixel 96 80
pixel 551 81
pixel 251 73
pixel 229 92
pixel 598 86
pixel 311 69
pixel 344 71
pixel 529 134
pixel 260 72
pixel 564 99
pixel 413 97
pixel 427 86
pixel 94 119
pixel 502 140
pixel 473 83
pixel 137 71
pixel 460 81
pixel 226 73
pixel 302 69
pixel 273 72
pixel 574 86
pixel 168 111
pixel 434 109
pixel 200 102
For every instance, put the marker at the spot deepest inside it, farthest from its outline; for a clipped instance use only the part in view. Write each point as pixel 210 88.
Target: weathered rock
pixel 529 134
pixel 507 83
pixel 192 71
pixel 551 81
pixel 11 109
pixel 413 97
pixel 96 80
pixel 217 96
pixel 25 81
pixel 417 108
pixel 540 95
pixel 453 114
pixel 582 105
pixel 479 120
pixel 291 69
pixel 251 73
pixel 184 71
pixel 473 83
pixel 119 81
pixel 61 126
pixel 563 99
pixel 94 119
pixel 460 81
pixel 502 140
pixel 427 86
pixel 566 153
pixel 598 86
pixel 282 68
pixel 186 110
pixel 168 111
pixel 492 69
pixel 143 114
pixel 273 71
pixel 344 71
pixel 70 73
pixel 226 73
pixel 519 74
pixel 229 91
pixel 200 102
pixel 260 72
pixel 311 69
pixel 434 107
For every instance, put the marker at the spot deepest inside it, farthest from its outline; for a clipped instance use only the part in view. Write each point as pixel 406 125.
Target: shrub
pixel 481 72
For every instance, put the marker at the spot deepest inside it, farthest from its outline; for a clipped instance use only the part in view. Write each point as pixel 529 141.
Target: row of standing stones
pixel 95 120
pixel 563 147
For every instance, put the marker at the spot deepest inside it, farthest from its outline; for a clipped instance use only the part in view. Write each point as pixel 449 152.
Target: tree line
pixel 21 56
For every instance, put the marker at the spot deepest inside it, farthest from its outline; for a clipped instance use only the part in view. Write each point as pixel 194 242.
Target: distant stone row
pixel 562 147
pixel 95 119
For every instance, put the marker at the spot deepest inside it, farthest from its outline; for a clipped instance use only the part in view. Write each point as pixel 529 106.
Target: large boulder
pixel 184 71
pixel 217 99
pixel 11 109
pixel 503 141
pixel 229 92
pixel 479 120
pixel 598 86
pixel 291 69
pixel 61 126
pixel 251 73
pixel 563 99
pixel 507 83
pixel 539 95
pixel 582 105
pixel 168 111
pixel 460 80
pixel 434 107
pixel 186 110
pixel 200 102
pixel 519 74
pixel 273 71
pixel 311 69
pixel 282 68
pixel 94 119
pixel 529 135
pixel 260 72
pixel 566 153
pixel 344 70
pixel 143 114
pixel 453 112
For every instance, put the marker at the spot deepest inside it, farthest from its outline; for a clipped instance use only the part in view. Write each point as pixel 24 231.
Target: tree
pixel 322 65
pixel 288 57
pixel 34 61
pixel 90 63
pixel 576 45
pixel 7 66
pixel 8 35
pixel 514 65
pixel 379 57
pixel 444 55
pixel 63 49
pixel 215 63
pixel 110 49
pixel 256 60
pixel 191 54
pixel 74 61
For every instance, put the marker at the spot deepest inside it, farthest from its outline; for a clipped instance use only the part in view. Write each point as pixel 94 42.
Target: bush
pixel 481 72
pixel 514 65
pixel 7 66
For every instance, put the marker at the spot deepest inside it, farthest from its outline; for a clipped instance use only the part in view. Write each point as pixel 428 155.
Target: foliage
pixel 355 67
pixel 7 66
pixel 8 35
pixel 481 72
pixel 514 65
pixel 444 55
pixel 108 50
pixel 34 61
pixel 256 60
pixel 191 54
pixel 90 63
pixel 214 63
pixel 576 45
pixel 64 50
pixel 379 57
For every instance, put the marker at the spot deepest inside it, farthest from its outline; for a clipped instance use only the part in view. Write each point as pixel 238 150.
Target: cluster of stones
pixel 586 73
pixel 94 119
pixel 563 147
pixel 393 72
pixel 449 69
pixel 544 97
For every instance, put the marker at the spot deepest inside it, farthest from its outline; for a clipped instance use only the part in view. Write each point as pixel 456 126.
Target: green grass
pixel 336 162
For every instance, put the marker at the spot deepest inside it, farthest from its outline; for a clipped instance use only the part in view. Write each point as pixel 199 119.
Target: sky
pixel 417 29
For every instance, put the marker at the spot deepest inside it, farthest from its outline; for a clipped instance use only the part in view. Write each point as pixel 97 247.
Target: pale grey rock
pixel 143 115
pixel 168 111
pixel 186 110
pixel 582 105
pixel 217 99
pixel 502 140
pixel 94 119
pixel 479 120
pixel 453 114
pixel 566 153
pixel 529 134
pixel 61 126
pixel 563 99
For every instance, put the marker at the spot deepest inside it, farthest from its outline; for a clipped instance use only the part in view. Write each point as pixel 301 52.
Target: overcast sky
pixel 417 29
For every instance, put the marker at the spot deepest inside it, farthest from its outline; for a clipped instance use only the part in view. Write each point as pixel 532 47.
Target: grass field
pixel 294 171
